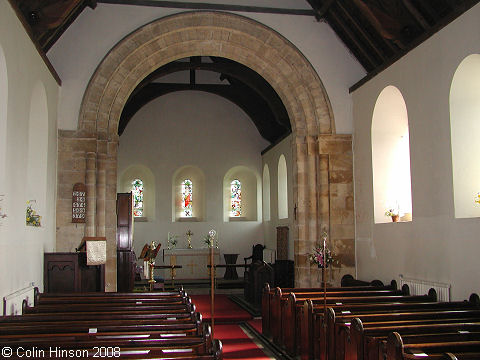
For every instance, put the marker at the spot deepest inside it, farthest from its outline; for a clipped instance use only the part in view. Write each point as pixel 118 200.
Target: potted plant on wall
pixel 394 214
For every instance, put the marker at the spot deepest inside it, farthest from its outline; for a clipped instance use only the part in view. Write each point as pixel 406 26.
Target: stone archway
pixel 210 34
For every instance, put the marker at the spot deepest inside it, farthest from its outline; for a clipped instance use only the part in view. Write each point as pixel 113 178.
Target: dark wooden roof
pixel 377 33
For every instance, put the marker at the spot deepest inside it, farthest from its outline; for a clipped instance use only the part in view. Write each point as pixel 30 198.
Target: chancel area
pixel 306 145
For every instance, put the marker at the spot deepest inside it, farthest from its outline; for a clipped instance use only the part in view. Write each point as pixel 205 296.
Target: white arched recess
pixel 143 173
pixel 251 194
pixel 465 130
pixel 197 177
pixel 3 132
pixel 37 149
pixel 266 193
pixel 206 33
pixel 282 188
pixel 391 156
pixel 3 122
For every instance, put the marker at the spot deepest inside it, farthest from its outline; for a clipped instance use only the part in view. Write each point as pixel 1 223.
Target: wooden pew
pixel 305 323
pixel 339 330
pixel 311 317
pixel 367 340
pixel 137 331
pixel 291 307
pixel 122 307
pixel 399 348
pixel 271 300
pixel 279 306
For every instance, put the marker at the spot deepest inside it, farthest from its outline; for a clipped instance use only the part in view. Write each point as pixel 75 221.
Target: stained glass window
pixel 137 191
pixel 236 198
pixel 187 198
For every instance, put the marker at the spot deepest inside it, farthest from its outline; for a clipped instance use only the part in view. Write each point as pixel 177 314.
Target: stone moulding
pixel 204 34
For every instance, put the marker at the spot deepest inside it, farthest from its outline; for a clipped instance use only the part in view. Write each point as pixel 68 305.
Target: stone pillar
pixel 301 222
pixel 100 190
pixel 90 182
pixel 111 215
pixel 337 165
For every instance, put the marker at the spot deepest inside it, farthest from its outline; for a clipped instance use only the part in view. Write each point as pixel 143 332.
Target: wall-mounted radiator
pixel 12 303
pixel 421 287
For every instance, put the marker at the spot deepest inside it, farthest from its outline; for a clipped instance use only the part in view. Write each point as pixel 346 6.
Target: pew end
pixel 474 299
pixel 394 346
pixel 217 349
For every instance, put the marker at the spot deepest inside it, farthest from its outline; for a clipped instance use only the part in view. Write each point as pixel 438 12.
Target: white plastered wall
pixel 271 158
pixel 200 130
pixel 22 247
pixel 435 245
pixel 76 57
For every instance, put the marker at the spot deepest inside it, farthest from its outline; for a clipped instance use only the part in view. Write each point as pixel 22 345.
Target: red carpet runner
pixel 236 344
pixel 226 311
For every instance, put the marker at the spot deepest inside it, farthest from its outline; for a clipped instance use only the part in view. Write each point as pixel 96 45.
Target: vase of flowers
pixel 317 257
pixel 172 241
pixel 477 198
pixel 210 239
pixel 32 218
pixel 394 214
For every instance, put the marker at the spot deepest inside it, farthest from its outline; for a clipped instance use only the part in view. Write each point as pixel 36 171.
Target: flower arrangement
pixel 392 212
pixel 2 214
pixel 32 218
pixel 319 251
pixel 210 239
pixel 317 257
pixel 477 198
pixel 172 241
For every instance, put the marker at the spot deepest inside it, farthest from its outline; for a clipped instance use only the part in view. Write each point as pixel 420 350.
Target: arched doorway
pixel 210 34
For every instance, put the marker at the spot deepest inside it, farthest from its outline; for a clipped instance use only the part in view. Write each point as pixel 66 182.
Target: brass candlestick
pixel 189 238
pixel 151 264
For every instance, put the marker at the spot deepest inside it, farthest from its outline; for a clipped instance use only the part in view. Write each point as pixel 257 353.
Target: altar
pixel 193 261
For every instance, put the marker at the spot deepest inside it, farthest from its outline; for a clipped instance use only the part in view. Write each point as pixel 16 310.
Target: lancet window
pixel 187 198
pixel 137 192
pixel 236 198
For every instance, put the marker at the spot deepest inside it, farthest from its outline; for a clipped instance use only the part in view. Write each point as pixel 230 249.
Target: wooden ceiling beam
pixel 354 39
pixel 320 11
pixel 210 6
pixel 416 14
pixel 366 36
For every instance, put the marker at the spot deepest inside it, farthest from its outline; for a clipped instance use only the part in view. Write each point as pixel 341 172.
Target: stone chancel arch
pixel 208 34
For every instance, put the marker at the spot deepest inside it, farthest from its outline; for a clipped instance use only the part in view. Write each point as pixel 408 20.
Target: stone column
pixel 101 189
pixel 301 199
pixel 90 182
pixel 111 215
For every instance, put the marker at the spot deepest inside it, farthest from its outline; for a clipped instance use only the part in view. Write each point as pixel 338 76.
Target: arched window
pixel 465 127
pixel 3 120
pixel 266 193
pixel 392 192
pixel 236 198
pixel 187 198
pixel 137 191
pixel 282 188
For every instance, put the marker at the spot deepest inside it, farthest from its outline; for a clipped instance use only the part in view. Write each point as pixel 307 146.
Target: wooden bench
pixel 338 327
pixel 271 300
pixel 315 316
pixel 291 307
pixel 367 340
pixel 399 348
pixel 282 313
pixel 163 328
pixel 305 323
